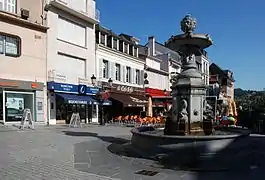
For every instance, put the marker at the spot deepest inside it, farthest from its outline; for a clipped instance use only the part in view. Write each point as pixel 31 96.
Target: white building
pixel 70 58
pixel 203 64
pixel 117 59
pixel 170 60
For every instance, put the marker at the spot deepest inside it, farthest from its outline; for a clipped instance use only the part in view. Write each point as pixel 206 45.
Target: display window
pixel 16 102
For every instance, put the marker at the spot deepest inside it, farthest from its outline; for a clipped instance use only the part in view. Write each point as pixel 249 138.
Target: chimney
pixel 151 41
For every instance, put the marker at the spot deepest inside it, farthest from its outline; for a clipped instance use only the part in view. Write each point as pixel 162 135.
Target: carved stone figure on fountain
pixel 188 24
pixel 208 118
pixel 183 127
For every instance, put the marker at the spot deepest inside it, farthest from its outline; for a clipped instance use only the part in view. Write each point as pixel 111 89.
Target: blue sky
pixel 236 26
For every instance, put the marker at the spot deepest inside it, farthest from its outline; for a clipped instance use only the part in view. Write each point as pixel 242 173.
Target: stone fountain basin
pixel 198 40
pixel 152 141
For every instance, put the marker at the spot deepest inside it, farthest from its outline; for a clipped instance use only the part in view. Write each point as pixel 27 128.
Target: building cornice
pixel 71 11
pixel 161 72
pixel 16 20
pixel 103 48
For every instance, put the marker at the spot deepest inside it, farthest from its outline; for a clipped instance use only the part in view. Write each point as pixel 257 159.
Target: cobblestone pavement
pixel 58 152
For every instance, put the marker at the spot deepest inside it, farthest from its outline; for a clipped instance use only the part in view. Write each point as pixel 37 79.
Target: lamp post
pixel 101 96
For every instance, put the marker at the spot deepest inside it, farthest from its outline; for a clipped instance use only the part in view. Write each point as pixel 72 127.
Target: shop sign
pixel 76 102
pixel 9 84
pixel 127 89
pixel 138 100
pixel 72 88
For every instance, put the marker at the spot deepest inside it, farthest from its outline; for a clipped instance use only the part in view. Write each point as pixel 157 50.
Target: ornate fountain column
pixel 188 89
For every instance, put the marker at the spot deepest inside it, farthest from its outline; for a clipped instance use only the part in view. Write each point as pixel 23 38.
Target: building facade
pixel 118 60
pixel 171 60
pixel 71 59
pixel 156 71
pixel 224 80
pixel 23 41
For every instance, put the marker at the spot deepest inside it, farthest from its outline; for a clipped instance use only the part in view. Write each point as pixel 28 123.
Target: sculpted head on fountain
pixel 188 24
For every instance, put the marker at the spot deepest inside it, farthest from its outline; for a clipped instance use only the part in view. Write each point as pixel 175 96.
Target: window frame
pixel 117 73
pixel 102 35
pixel 126 46
pixel 19 45
pixel 137 76
pixel 115 40
pixel 105 68
pixel 128 74
pixel 11 4
pixel 68 40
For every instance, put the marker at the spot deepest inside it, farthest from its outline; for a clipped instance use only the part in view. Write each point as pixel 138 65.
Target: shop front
pixel 126 100
pixel 66 99
pixel 15 96
pixel 159 101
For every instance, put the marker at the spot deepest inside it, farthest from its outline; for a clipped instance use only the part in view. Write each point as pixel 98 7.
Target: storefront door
pixel 15 103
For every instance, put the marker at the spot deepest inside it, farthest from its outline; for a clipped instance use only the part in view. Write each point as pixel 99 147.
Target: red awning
pixel 157 93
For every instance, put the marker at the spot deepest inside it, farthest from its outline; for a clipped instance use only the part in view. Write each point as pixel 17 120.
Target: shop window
pixel 105 69
pixel 16 103
pixel 128 74
pixel 10 45
pixel 117 72
pixel 8 6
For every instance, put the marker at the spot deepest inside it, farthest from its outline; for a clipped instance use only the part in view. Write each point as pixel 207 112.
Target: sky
pixel 237 28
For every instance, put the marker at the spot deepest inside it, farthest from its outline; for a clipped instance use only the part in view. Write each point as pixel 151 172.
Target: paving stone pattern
pixel 61 153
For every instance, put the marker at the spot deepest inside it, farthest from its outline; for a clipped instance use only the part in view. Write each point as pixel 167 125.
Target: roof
pixel 124 37
pixel 221 71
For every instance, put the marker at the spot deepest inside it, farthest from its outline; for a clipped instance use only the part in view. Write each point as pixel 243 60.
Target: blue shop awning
pixel 76 99
pixel 105 103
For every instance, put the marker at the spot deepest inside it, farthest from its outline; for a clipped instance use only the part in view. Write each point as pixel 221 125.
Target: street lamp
pixel 146 83
pixel 110 82
pixel 101 96
pixel 93 79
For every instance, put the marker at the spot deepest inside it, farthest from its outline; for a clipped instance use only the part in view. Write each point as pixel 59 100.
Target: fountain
pixel 189 128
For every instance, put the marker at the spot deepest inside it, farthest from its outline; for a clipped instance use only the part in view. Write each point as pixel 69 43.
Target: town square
pixel 89 90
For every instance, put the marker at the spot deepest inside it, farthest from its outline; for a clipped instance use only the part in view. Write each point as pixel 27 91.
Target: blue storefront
pixel 64 99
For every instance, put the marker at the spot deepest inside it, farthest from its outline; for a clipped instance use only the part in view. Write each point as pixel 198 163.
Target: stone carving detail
pixel 183 117
pixel 188 24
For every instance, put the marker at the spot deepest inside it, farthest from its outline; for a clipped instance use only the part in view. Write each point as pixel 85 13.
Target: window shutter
pixel 142 77
pixel 113 71
pixel 123 78
pixel 100 68
pixel 133 76
pixel 110 70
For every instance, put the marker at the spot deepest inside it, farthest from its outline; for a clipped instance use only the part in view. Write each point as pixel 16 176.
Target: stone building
pixel 23 41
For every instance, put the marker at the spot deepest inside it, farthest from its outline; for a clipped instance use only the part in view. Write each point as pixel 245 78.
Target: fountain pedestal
pixel 188 89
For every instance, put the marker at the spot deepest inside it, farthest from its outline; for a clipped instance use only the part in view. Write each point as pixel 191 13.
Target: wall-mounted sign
pixel 134 99
pixel 125 88
pixel 82 89
pixel 72 88
pixel 23 85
